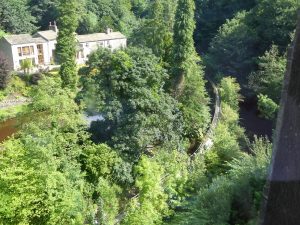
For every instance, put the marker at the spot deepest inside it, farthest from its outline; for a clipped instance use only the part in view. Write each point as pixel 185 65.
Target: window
pixel 101 43
pixel 20 51
pixel 25 51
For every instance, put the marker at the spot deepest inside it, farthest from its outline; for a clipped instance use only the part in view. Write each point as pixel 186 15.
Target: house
pixel 40 47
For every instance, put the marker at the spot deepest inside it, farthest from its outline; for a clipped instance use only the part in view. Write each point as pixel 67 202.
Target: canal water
pixel 12 126
pixel 8 128
pixel 252 122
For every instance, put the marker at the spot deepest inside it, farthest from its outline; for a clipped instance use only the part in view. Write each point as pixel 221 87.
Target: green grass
pixel 12 112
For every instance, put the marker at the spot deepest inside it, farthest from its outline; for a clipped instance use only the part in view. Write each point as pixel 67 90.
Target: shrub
pixel 4 72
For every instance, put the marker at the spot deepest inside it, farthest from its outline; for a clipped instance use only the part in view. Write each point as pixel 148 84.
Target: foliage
pixel 44 11
pixel 26 65
pixel 274 22
pixel 101 14
pixel 194 104
pixel 225 149
pixel 156 30
pixel 229 92
pixel 269 77
pixel 66 42
pixel 150 206
pixel 176 175
pixel 234 198
pixel 4 72
pixel 232 50
pixel 267 107
pixel 45 183
pixel 183 48
pixel 108 202
pixel 136 110
pixel 211 14
pixel 12 112
pixel 15 17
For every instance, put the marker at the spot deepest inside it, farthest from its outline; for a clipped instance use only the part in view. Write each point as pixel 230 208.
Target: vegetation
pixel 4 72
pixel 66 42
pixel 136 165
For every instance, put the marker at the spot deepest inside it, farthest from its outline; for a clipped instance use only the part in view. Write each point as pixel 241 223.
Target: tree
pixel 156 30
pixel 211 15
pixel 267 107
pixel 150 206
pixel 15 17
pixel 137 112
pixel 66 42
pixel 26 65
pixel 234 198
pixel 232 51
pixel 44 11
pixel 45 181
pixel 183 48
pixel 229 92
pixel 268 80
pixel 4 72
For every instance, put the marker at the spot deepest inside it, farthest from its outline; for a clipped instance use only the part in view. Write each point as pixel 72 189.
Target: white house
pixel 40 47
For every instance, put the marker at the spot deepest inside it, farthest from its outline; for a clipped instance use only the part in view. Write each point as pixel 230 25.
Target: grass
pixel 12 112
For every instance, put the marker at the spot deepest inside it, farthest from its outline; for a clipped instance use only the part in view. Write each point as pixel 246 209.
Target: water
pixel 250 120
pixel 12 126
pixel 8 128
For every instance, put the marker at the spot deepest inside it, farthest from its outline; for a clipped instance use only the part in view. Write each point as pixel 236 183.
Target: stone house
pixel 40 47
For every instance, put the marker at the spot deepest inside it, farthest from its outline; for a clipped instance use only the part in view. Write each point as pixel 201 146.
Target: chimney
pixel 109 30
pixel 53 27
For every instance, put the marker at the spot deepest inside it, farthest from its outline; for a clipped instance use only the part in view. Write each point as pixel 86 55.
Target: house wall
pixel 5 49
pixel 89 47
pixel 51 45
pixel 17 58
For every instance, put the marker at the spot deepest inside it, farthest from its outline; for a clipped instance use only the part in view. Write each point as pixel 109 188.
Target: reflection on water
pixel 9 127
pixel 12 126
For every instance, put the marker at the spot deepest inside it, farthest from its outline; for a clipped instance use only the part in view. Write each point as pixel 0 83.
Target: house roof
pixel 23 39
pixel 49 35
pixel 99 37
pixel 42 36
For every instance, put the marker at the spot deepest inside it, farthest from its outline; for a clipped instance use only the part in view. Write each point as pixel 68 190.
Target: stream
pixel 12 126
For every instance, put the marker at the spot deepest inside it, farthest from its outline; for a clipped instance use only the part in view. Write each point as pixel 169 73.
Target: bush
pixel 4 72
pixel 267 107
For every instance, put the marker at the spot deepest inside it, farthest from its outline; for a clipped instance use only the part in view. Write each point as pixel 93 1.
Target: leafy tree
pixel 211 15
pixel 44 11
pixel 137 112
pixel 4 72
pixel 234 198
pixel 108 202
pixel 116 14
pixel 194 105
pixel 269 77
pixel 66 42
pixel 26 65
pixel 150 206
pixel 155 31
pixel 267 106
pixel 232 51
pixel 229 92
pixel 274 22
pixel 2 33
pixel 183 48
pixel 15 17
pixel 45 185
